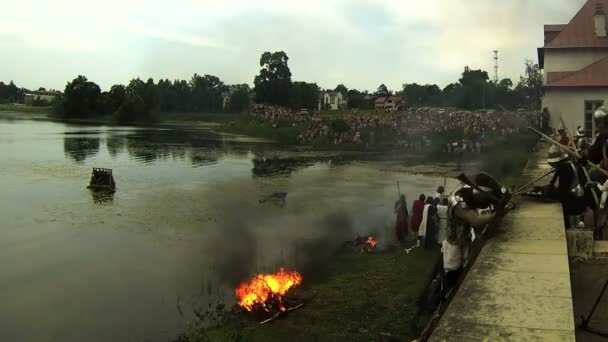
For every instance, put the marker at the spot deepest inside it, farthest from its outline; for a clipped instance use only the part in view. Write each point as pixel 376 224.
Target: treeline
pixel 10 93
pixel 474 90
pixel 138 100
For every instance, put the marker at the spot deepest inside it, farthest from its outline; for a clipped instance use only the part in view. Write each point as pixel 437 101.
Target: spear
pixel 576 155
pixel 570 151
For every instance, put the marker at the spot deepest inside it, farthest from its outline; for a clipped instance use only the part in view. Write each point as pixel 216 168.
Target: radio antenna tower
pixel 496 66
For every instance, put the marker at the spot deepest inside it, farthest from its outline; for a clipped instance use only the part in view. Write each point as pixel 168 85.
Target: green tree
pixel 453 95
pixel 81 98
pixel 133 109
pixel 183 95
pixel 530 86
pixel 273 84
pixel 207 93
pixel 382 91
pixel 342 89
pixel 116 96
pixel 239 98
pixel 359 99
pixel 304 95
pixel 474 83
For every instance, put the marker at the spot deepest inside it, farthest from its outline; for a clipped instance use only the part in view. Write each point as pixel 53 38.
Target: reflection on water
pixel 102 196
pixel 193 213
pixel 266 167
pixel 115 145
pixel 79 149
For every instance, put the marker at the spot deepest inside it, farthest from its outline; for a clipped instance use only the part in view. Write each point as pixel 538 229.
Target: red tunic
pixel 417 210
pixel 401 228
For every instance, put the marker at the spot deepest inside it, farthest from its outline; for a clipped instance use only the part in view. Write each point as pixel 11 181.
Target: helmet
pixel 556 155
pixel 600 114
pixel 580 133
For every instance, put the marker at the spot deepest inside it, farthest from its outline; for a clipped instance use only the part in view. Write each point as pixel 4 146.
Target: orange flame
pixel 265 286
pixel 371 243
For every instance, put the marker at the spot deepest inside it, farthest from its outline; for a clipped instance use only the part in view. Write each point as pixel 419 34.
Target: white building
pixel 575 62
pixel 40 95
pixel 334 100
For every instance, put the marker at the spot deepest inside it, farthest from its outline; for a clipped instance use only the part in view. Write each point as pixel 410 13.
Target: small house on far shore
pixel 388 102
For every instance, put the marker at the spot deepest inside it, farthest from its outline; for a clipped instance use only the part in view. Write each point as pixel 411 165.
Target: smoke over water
pixel 251 233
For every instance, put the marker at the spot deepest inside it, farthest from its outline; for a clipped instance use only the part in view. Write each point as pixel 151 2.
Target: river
pixel 188 220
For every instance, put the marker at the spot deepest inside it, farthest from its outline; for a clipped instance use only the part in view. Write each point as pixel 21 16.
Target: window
pixel 332 99
pixel 590 107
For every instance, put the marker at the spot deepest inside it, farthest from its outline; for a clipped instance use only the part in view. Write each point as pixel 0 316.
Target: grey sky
pixel 360 43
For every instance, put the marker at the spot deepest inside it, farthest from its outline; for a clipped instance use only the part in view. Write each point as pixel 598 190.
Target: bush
pixel 132 110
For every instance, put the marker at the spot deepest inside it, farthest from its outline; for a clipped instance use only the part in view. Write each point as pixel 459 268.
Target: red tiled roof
pixel 594 75
pixel 384 99
pixel 580 31
pixel 380 100
pixel 554 28
pixel 556 76
pixel 396 99
pixel 552 31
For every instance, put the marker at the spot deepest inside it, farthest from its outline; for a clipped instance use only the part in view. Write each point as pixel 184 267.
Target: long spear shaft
pixel 516 192
pixel 576 155
pixel 569 151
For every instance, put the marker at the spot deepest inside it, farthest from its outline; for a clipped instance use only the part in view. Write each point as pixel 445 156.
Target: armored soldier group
pixel 580 179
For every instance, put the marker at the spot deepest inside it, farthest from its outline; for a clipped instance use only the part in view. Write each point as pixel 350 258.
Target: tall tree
pixel 342 89
pixel 239 98
pixel 273 83
pixel 81 98
pixel 11 93
pixel 207 93
pixel 304 95
pixel 382 91
pixel 116 96
pixel 358 99
pixel 531 85
pixel 474 83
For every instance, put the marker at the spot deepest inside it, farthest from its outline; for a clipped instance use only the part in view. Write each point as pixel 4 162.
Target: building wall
pixel 339 101
pixel 30 98
pixel 569 103
pixel 571 59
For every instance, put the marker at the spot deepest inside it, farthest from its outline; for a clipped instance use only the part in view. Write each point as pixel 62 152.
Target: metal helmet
pixel 580 133
pixel 556 155
pixel 601 114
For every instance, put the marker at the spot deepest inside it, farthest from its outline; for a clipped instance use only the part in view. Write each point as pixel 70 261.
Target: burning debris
pixel 265 294
pixel 370 244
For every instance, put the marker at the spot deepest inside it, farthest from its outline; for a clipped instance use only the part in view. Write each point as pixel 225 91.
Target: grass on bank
pixel 355 298
pixel 25 109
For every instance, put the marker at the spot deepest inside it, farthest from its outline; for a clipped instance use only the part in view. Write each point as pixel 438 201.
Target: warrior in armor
pixel 471 209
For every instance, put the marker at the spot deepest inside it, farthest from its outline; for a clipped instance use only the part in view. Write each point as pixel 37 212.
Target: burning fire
pixel 265 288
pixel 370 243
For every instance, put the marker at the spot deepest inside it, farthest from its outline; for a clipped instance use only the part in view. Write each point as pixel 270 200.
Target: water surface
pixel 188 221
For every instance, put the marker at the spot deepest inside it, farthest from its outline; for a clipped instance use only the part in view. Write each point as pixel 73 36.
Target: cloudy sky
pixel 360 43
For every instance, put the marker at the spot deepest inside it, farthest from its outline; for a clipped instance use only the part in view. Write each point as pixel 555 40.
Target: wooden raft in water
pixel 102 179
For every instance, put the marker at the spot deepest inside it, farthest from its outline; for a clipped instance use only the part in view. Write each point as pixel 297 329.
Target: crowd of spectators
pixel 414 129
